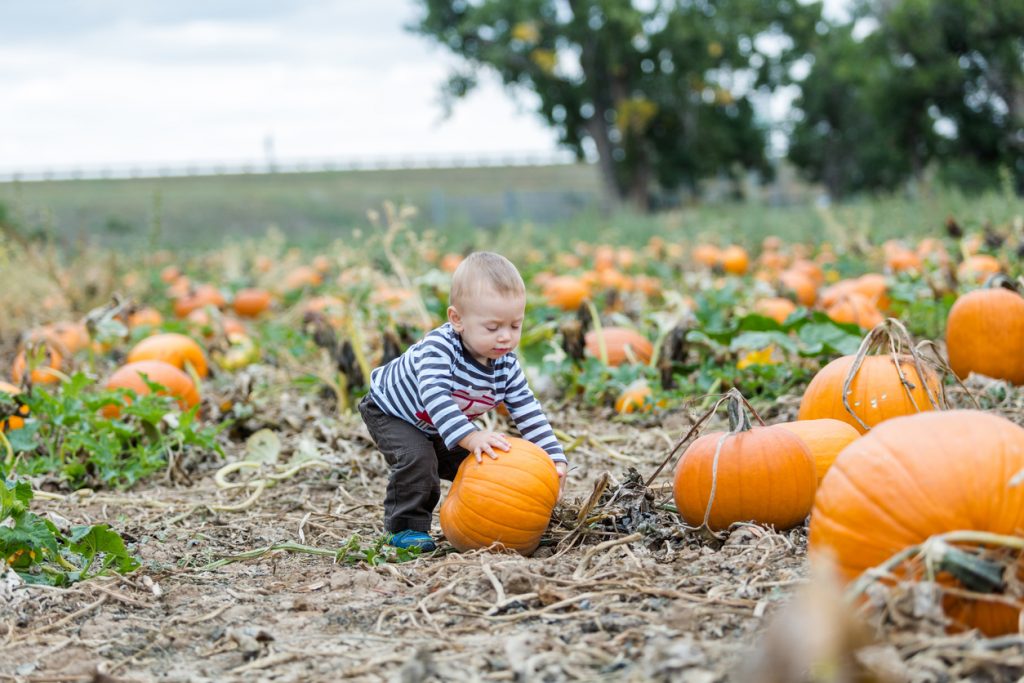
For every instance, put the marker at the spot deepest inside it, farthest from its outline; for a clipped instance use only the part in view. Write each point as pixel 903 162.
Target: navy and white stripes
pixel 439 387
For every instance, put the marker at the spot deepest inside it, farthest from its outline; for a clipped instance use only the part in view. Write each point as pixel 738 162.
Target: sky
pixel 151 81
pixel 122 82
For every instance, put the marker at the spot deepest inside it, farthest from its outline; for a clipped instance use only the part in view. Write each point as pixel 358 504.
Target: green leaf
pixel 756 341
pixel 826 338
pixel 99 539
pixel 24 439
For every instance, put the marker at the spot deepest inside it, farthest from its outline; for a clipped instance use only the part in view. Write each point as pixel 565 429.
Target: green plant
pixel 68 436
pixel 41 553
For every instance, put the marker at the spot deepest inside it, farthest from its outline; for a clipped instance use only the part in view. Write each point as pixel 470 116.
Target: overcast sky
pixel 118 81
pixel 124 81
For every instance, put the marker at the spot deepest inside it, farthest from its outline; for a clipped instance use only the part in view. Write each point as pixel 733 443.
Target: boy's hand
pixel 485 441
pixel 562 468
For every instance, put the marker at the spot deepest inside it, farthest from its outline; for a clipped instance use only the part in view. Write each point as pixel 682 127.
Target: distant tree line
pixel 665 93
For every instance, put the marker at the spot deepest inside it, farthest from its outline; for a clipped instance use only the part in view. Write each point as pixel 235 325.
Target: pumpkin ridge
pixel 503 498
pixel 466 511
pixel 878 503
pixel 546 481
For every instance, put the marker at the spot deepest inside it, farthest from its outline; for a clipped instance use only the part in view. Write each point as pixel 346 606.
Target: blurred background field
pixel 465 207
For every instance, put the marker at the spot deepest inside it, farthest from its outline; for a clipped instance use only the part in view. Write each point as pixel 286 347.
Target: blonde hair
pixel 485 268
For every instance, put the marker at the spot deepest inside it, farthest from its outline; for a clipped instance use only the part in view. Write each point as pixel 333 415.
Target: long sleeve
pixel 528 414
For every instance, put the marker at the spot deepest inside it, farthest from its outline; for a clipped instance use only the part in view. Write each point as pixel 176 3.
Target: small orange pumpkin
pixel 917 476
pixel 707 255
pixel 761 474
pixel 621 343
pixel 203 295
pixel 178 384
pixel 145 316
pixel 45 373
pixel 637 396
pixel 735 260
pixel 824 438
pixel 776 308
pixel 507 501
pixel 565 292
pixel 853 307
pixel 985 334
pixel 171 347
pixel 17 421
pixel 250 303
pixel 978 268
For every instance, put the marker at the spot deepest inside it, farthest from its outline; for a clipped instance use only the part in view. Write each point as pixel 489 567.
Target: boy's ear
pixel 455 319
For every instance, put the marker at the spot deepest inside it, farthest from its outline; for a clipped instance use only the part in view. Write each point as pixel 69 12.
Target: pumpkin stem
pixel 893 334
pixel 1004 281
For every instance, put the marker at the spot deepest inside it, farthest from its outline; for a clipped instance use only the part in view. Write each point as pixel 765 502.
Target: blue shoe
pixel 411 539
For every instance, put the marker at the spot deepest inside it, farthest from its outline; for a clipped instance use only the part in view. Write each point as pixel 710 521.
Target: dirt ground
pixel 633 596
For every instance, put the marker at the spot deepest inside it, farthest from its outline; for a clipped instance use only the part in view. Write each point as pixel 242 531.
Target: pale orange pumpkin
pixel 621 343
pixel 171 347
pixel 178 384
pixel 776 308
pixel 145 316
pixel 507 501
pixel 985 334
pixel 917 476
pixel 978 268
pixel 876 393
pixel 824 438
pixel 707 255
pixel 855 308
pixel 762 474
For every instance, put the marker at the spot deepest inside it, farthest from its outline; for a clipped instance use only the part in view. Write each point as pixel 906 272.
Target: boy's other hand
pixel 485 441
pixel 562 468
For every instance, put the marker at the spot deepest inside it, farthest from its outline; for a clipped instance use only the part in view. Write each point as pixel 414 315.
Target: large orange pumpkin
pixel 917 476
pixel 876 393
pixel 14 421
pixel 985 334
pixel 763 474
pixel 617 340
pixel 507 501
pixel 824 438
pixel 178 384
pixel 171 347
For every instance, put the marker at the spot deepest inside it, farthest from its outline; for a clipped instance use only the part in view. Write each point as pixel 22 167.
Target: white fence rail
pixel 310 165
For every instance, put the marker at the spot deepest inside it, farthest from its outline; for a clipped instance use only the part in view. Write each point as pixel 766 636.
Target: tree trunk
pixel 605 161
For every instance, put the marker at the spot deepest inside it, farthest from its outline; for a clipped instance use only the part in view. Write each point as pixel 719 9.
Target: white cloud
pixel 330 80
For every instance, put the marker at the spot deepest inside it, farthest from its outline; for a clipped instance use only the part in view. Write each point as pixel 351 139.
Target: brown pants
pixel 418 463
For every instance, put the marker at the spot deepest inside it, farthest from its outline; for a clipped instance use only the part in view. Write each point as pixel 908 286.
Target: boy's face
pixel 490 323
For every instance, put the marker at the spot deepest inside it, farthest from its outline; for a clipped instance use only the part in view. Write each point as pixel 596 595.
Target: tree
pixel 937 82
pixel 852 129
pixel 664 94
pixel 971 54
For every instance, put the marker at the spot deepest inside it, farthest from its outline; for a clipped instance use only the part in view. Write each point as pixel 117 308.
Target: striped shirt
pixel 439 387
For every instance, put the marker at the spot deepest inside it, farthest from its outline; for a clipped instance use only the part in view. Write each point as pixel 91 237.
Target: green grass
pixel 313 209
